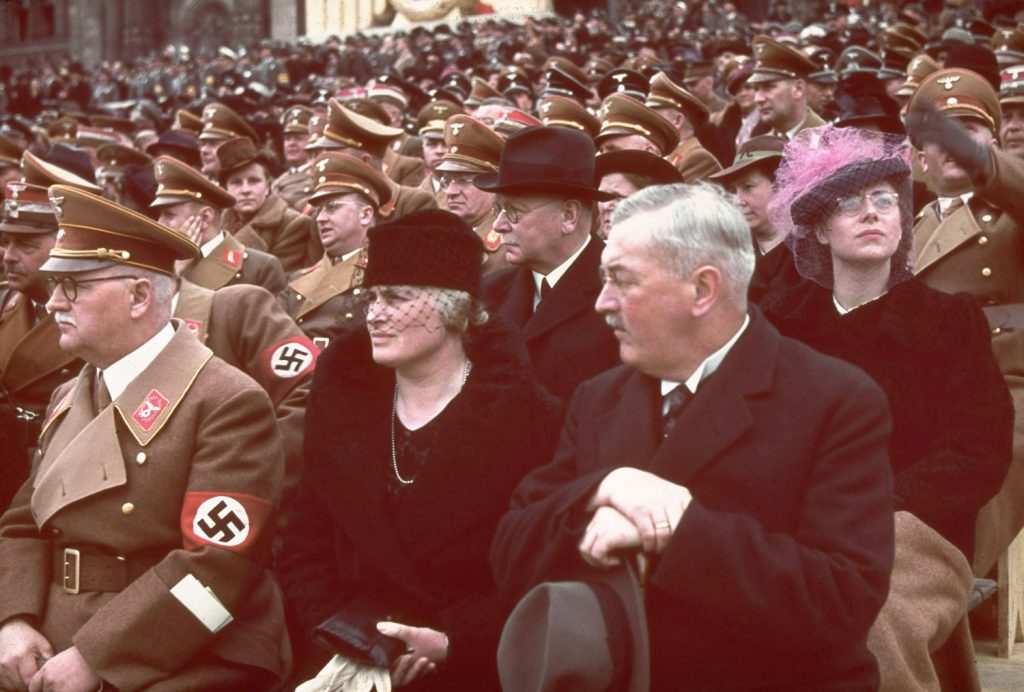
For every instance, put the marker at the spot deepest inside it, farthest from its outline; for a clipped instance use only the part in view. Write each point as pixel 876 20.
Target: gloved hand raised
pixel 926 124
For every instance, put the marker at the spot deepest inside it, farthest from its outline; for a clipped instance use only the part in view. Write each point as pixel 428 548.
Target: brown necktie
pixel 102 393
pixel 955 204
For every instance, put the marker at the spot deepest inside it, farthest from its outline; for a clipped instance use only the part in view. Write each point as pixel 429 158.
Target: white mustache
pixel 65 318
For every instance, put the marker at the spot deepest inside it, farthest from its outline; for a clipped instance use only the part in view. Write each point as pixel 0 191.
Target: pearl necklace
pixel 394 414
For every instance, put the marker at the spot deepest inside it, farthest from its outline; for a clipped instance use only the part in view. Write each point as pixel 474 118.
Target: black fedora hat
pixel 546 160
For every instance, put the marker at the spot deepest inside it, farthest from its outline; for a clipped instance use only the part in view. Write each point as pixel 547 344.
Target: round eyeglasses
pixel 70 284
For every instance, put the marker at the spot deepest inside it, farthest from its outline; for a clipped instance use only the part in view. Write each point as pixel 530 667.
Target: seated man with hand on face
pixel 750 471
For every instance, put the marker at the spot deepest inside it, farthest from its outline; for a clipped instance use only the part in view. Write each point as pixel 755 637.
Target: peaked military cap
pixel 346 128
pixel 776 60
pixel 388 93
pixel 623 80
pixel 123 126
pixel 918 68
pixel 431 118
pixel 95 233
pixel 116 156
pixel 561 83
pixel 65 128
pixel 481 90
pixel 338 173
pixel 36 171
pixel 472 146
pixel 961 93
pixel 622 115
pixel 562 111
pixel 513 119
pixel 667 94
pixel 1012 88
pixel 858 59
pixel 220 122
pixel 178 182
pixel 188 121
pixel 296 119
pixel 27 210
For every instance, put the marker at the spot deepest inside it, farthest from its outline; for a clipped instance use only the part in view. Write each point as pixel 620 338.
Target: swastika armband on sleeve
pixel 233 521
pixel 285 364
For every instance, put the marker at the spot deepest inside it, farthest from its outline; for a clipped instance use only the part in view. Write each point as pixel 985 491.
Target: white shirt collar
pixel 843 311
pixel 708 366
pixel 210 245
pixel 944 202
pixel 555 275
pixel 118 376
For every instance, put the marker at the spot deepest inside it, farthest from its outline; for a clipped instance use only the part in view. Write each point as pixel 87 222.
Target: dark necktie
pixel 545 291
pixel 957 203
pixel 676 401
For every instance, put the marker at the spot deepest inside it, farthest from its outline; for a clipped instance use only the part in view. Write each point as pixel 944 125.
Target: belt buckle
pixel 72 563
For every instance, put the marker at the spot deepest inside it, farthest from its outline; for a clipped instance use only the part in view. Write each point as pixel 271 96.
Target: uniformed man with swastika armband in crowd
pixel 136 554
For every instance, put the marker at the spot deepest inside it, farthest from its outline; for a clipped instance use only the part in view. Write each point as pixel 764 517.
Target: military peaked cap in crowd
pixel 667 94
pixel 472 146
pixel 178 182
pixel 561 83
pixel 1012 88
pixel 919 68
pixel 432 117
pixel 480 92
pixel 514 119
pixel 122 126
pixel 64 128
pixel 776 61
pixel 27 210
pixel 96 233
pixel 562 111
pixel 338 173
pixel 961 93
pixel 1008 45
pixel 623 80
pixel 622 115
pixel 220 122
pixel 346 128
pixel 36 171
pixel 388 93
pixel 114 157
pixel 180 144
pixel 296 119
pixel 187 121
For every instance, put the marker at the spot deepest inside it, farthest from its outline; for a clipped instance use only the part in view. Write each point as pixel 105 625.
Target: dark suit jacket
pixel 781 562
pixel 567 340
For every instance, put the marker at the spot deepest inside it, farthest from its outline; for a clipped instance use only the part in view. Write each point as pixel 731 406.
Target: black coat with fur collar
pixel 952 413
pixel 429 557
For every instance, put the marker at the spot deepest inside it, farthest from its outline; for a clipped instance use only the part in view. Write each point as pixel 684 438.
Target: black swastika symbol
pixel 291 359
pixel 220 525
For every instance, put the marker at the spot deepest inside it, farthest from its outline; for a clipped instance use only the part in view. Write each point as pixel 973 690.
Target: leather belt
pixel 76 571
pixel 1007 316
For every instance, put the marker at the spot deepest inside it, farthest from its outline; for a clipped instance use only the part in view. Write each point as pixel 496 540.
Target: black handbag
pixel 352 632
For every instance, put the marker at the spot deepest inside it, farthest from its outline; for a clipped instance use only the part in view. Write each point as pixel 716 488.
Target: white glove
pixel 342 674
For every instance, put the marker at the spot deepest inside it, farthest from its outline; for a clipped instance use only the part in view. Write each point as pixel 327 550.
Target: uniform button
pixel 127 508
pixel 982 240
pixel 986 218
pixel 356 291
pixel 300 320
pixel 245 255
pixel 997 331
pixel 986 272
pixel 140 458
pixel 348 315
pixel 238 275
pixel 55 531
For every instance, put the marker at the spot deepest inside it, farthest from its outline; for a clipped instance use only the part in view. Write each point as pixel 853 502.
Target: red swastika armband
pixel 233 521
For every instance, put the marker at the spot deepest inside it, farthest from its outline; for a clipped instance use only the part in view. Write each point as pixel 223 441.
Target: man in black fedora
pixel 545 196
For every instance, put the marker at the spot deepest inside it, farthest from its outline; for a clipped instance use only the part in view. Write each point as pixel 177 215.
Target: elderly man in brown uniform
pixel 260 219
pixel 220 124
pixel 351 133
pixel 473 148
pixel 137 552
pixel 295 185
pixel 326 299
pixel 686 113
pixel 780 85
pixel 970 240
pixel 188 202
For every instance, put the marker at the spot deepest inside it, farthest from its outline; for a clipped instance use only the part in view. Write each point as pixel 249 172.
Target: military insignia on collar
pixel 232 257
pixel 149 411
pixel 492 241
pixel 194 326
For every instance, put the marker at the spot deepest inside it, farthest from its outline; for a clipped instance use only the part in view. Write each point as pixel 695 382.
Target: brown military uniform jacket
pixel 326 299
pixel 276 228
pixel 693 161
pixel 294 187
pixel 404 170
pixel 179 478
pixel 32 363
pixel 440 198
pixel 233 263
pixel 406 200
pixel 245 327
pixel 979 249
pixel 812 119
